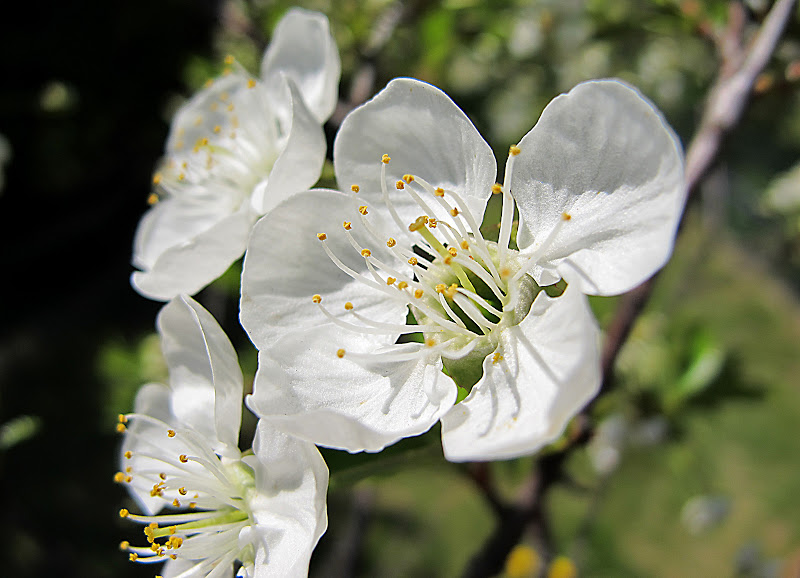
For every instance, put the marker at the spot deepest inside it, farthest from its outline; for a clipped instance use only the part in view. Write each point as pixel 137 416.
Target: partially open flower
pixel 207 505
pixel 237 148
pixel 394 295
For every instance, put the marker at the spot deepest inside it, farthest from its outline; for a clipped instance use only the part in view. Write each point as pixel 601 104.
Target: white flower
pixel 330 278
pixel 236 149
pixel 265 509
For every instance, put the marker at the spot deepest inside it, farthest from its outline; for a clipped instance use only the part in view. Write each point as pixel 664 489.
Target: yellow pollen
pixel 171 433
pixel 566 216
pixel 162 475
pixel 412 261
pixel 128 470
pixel 124 545
pixel 122 419
pixel 497 189
pixel 229 59
pixel 123 513
pixel 363 209
pixel 464 245
pixel 418 293
pixel 451 291
pixel 391 242
pixel 385 159
pixel 322 236
pixel 317 298
pixel 192 505
pixel 355 188
pixel 173 529
pixel 128 454
pixel 217 129
pixel 181 176
pixel 497 357
pixel 454 211
pixel 348 306
pixel 121 427
pixel 128 479
pixel 156 178
pixel 133 556
pixel 347 225
pixel 183 458
pixel 432 223
pixel 251 83
pixel 182 491
pixel 366 252
pixel 402 285
pixel 119 477
pixel 173 556
pixel 439 192
pixel 340 353
pixel 176 503
pixel 430 342
pixel 452 251
pixel 399 185
pixel 514 150
pixel 448 259
pixel 440 288
pixel 408 178
pixel 390 280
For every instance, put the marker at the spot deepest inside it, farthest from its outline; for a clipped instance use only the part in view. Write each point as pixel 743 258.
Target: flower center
pixel 461 290
pixel 206 495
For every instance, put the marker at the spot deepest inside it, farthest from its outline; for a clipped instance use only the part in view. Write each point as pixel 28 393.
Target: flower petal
pixel 286 264
pixel 550 368
pixel 425 134
pixel 290 512
pixel 303 49
pixel 299 164
pixel 604 156
pixel 195 262
pixel 305 389
pixel 204 373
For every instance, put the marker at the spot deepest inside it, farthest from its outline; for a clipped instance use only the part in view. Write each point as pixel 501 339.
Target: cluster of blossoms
pixel 378 309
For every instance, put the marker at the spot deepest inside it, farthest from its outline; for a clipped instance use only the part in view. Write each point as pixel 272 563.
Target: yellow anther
pixel 464 245
pixel 385 159
pixel 154 547
pixel 448 259
pixel 183 458
pixel 229 59
pixel 157 178
pixel 128 454
pixel 348 306
pixel 121 428
pixel 390 280
pixel 497 357
pixel 430 342
pixel 171 433
pixel 408 178
pixel 412 261
pixel 123 513
pixel 182 176
pixel 176 503
pixel 418 293
pixel 347 225
pixel 514 150
pixel 432 223
pixel 128 479
pixel 173 556
pixel 122 419
pixel 399 185
pixel 505 273
pixel 366 252
pixel 251 83
pixel 173 529
pixel 440 288
pixel 497 189
pixel 128 470
pixel 182 491
pixel 162 475
pixel 355 188
pixel 566 216
pixel 522 561
pixel 124 545
pixel 391 242
pixel 363 209
pixel 322 236
pixel 192 505
pixel 454 211
pixel 402 285
pixel 133 556
pixel 439 192
pixel 340 353
pixel 217 129
pixel 452 251
pixel 451 291
pixel 119 477
pixel 418 223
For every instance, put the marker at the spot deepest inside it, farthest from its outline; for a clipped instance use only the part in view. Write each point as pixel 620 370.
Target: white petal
pixel 197 261
pixel 286 264
pixel 182 568
pixel 550 369
pixel 604 155
pixel 303 49
pixel 425 134
pixel 290 511
pixel 304 388
pixel 300 162
pixel 204 373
